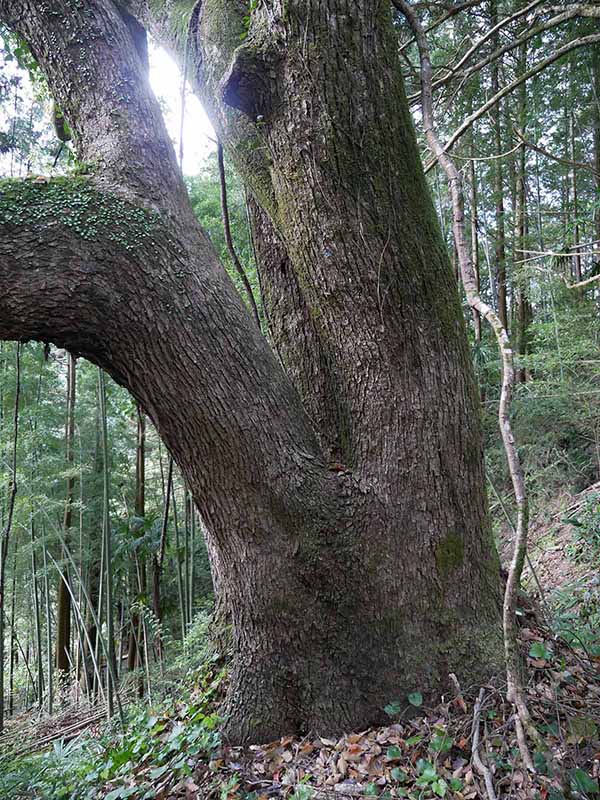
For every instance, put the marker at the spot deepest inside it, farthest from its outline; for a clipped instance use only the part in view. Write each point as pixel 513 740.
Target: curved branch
pixel 570 13
pixel 229 239
pixel 515 693
pixel 112 282
pixel 593 38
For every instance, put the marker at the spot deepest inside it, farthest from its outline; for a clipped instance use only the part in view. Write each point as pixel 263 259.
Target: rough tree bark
pixel 347 519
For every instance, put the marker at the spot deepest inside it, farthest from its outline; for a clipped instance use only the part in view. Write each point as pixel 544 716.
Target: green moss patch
pixel 75 204
pixel 449 554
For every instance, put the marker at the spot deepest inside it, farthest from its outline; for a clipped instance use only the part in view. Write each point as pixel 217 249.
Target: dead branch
pixel 542 151
pixel 481 768
pixel 582 41
pixel 515 692
pixel 449 13
pixel 565 16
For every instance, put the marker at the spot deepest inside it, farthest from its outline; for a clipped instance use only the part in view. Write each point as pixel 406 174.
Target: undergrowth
pixel 164 738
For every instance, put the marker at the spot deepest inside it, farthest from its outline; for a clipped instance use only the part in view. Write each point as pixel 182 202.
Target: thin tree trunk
pixel 158 559
pixel 596 118
pixel 192 562
pixel 515 691
pixel 473 203
pixel 6 531
pixel 134 654
pixel 96 549
pixel 49 659
pixel 186 553
pixel 178 554
pixel 63 610
pixel 12 637
pixel 577 273
pixel 37 613
pixel 496 114
pixel 111 666
pixel 523 310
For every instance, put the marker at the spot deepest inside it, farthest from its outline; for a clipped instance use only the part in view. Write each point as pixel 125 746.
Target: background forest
pixel 107 596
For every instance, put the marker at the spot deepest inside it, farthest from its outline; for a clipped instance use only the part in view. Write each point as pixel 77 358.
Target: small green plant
pixel 583 784
pixel 541 651
pixel 393 709
pixel 303 791
pixel 586 537
pixel 429 778
pixel 441 742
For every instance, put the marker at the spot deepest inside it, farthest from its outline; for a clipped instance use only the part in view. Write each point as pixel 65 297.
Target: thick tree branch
pixel 102 88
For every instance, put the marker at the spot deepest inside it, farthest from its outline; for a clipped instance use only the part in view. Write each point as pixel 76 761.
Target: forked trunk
pixel 346 514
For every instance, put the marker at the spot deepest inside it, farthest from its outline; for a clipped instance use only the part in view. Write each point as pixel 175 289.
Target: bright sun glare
pixel 199 138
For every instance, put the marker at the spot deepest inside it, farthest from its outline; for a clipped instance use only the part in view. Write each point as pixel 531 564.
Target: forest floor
pixel 178 755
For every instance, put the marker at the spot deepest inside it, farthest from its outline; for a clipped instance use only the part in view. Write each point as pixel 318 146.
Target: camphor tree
pixel 339 472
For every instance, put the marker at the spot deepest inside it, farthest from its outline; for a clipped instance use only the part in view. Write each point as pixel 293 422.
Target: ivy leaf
pixel 441 743
pixel 415 699
pixel 393 753
pixel 393 709
pixel 539 650
pixel 581 782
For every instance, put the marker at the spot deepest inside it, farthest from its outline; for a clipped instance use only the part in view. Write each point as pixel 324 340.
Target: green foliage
pixel 429 780
pixel 540 650
pixel 162 740
pixel 205 196
pixel 582 783
pixel 577 617
pixel 586 537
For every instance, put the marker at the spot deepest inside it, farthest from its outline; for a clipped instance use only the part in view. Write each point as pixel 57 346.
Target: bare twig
pixel 582 41
pixel 481 768
pixel 515 693
pixel 459 694
pixel 228 238
pixel 446 15
pixel 542 151
pixel 553 22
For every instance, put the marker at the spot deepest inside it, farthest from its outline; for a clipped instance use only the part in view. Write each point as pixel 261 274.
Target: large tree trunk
pixel 347 522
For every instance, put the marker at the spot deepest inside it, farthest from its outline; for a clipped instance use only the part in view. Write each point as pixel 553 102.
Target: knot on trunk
pixel 249 83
